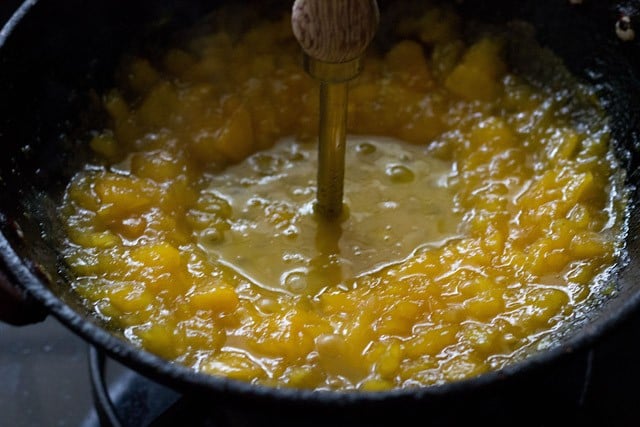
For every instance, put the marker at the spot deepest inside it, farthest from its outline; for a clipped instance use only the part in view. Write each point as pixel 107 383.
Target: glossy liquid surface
pixel 398 200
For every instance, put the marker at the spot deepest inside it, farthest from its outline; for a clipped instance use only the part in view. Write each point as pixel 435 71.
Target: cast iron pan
pixel 53 54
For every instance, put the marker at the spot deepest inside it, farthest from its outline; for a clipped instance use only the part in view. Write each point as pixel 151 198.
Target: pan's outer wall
pixel 58 52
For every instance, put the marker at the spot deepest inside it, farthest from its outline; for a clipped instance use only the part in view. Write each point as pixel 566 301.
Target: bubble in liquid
pixel 211 237
pixel 295 281
pixel 365 148
pixel 266 164
pixel 268 305
pixel 291 232
pixel 399 174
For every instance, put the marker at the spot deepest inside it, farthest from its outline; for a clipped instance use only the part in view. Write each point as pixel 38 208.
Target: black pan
pixel 54 54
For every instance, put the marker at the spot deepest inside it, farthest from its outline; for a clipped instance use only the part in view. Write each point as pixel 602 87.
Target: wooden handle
pixel 334 30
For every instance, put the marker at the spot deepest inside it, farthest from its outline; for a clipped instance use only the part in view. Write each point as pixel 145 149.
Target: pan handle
pixel 16 305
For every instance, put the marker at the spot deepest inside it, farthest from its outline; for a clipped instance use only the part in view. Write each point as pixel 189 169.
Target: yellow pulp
pixel 533 216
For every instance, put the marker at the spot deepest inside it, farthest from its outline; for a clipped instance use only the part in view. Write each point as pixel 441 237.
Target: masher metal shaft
pixel 334 34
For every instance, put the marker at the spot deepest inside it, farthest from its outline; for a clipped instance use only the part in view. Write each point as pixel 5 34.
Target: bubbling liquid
pixel 398 200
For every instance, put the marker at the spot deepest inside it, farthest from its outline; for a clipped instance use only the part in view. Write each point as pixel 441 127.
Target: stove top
pixel 44 377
